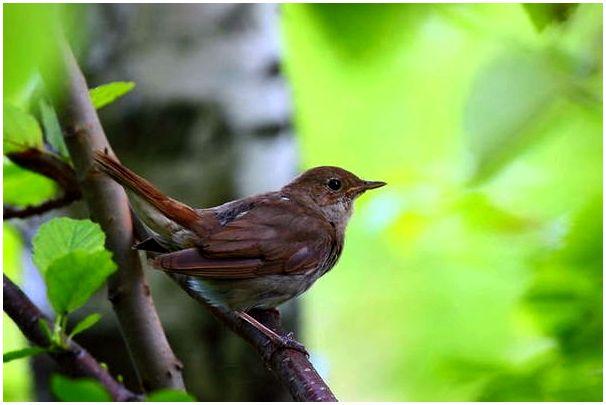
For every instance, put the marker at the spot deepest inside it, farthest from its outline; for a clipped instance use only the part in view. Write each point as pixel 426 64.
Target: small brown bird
pixel 256 252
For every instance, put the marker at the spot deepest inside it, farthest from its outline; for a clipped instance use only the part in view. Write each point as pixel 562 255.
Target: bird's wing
pixel 267 239
pixel 191 262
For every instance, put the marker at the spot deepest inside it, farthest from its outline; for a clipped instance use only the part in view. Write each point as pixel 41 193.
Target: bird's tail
pixel 151 205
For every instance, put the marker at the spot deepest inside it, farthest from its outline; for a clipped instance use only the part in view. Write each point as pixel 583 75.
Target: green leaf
pixel 86 323
pixel 545 14
pixel 81 390
pixel 74 277
pixel 21 130
pixel 52 129
pixel 60 236
pixel 168 395
pixel 45 329
pixel 12 249
pixel 19 354
pixel 23 187
pixel 110 92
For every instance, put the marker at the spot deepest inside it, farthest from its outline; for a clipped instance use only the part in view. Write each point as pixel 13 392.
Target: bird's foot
pixel 289 342
pixel 277 343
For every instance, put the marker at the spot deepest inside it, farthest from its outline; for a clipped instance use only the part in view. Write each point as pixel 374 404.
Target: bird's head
pixel 331 189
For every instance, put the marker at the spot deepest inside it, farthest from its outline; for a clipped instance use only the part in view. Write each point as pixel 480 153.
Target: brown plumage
pixel 178 212
pixel 256 252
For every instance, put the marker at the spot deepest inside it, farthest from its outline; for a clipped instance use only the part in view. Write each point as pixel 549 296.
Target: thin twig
pixel 52 167
pixel 292 367
pixel 10 212
pixel 74 360
pixel 155 363
pixel 49 165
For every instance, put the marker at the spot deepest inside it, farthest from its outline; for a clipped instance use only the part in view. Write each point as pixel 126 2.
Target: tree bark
pixel 156 365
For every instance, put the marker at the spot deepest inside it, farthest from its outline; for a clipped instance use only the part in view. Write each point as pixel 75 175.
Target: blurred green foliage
pixel 168 395
pixel 20 130
pixel 477 273
pixel 16 380
pixel 28 31
pixel 89 390
pixel 26 46
pixel 27 43
pixel 75 390
pixel 22 187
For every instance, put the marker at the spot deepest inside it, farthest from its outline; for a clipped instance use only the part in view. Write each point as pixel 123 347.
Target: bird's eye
pixel 334 184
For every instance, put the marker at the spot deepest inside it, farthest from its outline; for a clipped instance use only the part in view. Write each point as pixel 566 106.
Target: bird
pixel 252 253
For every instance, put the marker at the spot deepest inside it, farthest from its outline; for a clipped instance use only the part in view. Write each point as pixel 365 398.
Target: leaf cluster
pixel 74 263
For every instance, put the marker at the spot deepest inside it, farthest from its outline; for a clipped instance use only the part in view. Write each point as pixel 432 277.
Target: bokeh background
pixel 475 275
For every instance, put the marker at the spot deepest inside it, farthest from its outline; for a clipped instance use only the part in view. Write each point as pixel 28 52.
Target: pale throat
pixel 339 213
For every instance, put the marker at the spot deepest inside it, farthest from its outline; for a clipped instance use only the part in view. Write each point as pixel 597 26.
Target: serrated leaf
pixel 22 187
pixel 74 277
pixel 52 129
pixel 110 92
pixel 81 390
pixel 21 130
pixel 19 354
pixel 61 236
pixel 168 395
pixel 84 324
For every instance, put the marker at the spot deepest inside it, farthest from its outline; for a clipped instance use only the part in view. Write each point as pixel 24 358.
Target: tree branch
pixel 74 360
pixel 291 367
pixel 51 166
pixel 10 212
pixel 156 365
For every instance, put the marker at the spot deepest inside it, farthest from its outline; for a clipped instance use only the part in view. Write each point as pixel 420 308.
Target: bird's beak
pixel 367 185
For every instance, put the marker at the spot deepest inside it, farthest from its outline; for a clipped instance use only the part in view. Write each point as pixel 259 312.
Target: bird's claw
pixel 290 342
pixel 283 343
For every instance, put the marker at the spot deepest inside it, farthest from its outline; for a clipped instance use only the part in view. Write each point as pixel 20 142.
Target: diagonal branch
pixel 156 365
pixel 291 367
pixel 74 360
pixel 51 166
